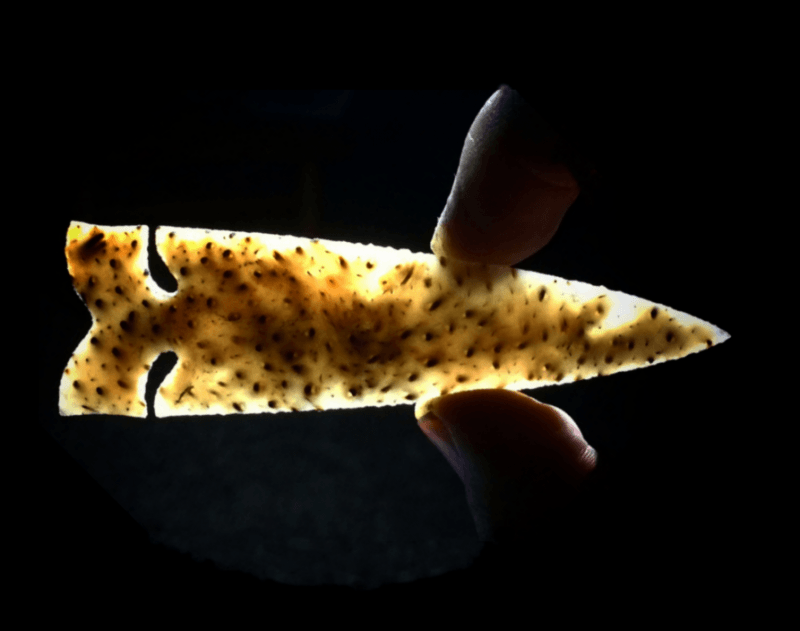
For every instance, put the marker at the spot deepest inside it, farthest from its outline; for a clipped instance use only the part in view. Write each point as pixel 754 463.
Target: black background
pixel 360 500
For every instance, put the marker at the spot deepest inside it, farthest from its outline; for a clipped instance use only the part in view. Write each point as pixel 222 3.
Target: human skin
pixel 509 195
pixel 522 462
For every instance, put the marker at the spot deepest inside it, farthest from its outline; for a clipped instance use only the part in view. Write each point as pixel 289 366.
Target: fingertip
pixel 512 430
pixel 510 193
pixel 439 434
pixel 484 407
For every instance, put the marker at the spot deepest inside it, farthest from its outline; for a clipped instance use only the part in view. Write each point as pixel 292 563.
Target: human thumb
pixel 521 461
pixel 512 187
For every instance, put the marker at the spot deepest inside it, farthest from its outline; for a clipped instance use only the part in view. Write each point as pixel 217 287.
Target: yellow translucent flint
pixel 268 323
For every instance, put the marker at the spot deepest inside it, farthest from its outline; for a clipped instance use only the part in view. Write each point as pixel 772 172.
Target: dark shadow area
pixel 155 377
pixel 326 502
pixel 159 271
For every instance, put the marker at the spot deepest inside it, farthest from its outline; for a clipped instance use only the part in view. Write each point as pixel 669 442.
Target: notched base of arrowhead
pixel 106 374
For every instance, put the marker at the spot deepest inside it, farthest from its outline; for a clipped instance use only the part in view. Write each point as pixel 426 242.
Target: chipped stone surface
pixel 268 323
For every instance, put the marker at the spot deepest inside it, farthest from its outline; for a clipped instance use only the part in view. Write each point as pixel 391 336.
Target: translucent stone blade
pixel 269 323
